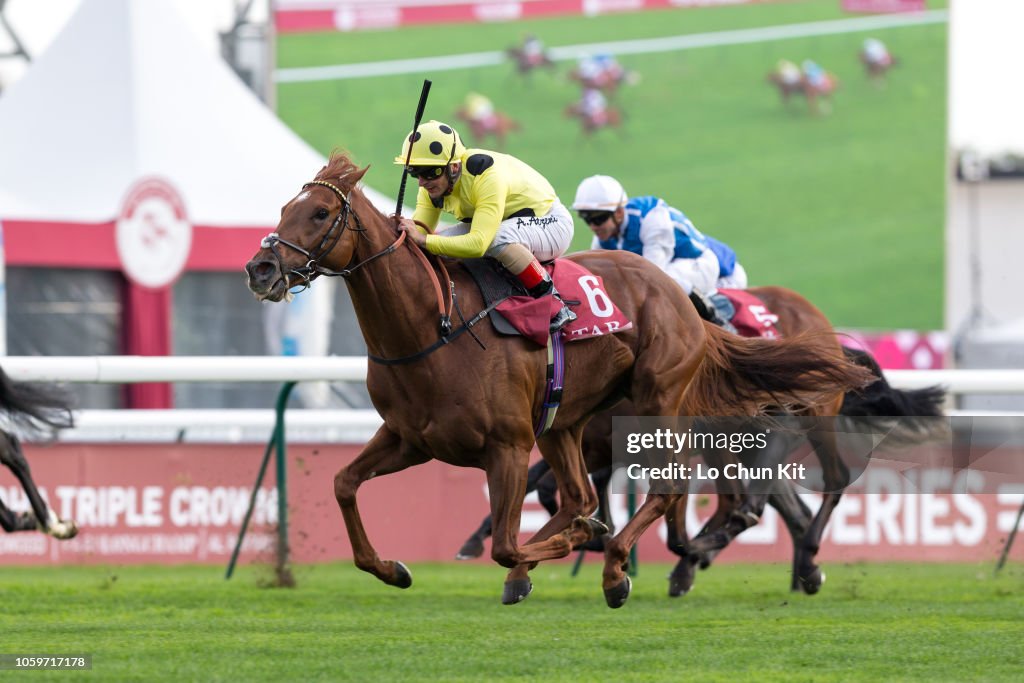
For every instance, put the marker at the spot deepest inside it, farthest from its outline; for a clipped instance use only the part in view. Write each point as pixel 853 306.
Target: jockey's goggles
pixel 425 172
pixel 595 217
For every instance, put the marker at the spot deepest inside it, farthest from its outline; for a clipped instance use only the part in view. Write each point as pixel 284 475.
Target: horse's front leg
pixel 41 517
pixel 473 547
pixel 384 454
pixel 616 551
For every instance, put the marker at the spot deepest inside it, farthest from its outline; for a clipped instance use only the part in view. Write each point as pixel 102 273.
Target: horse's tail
pixel 753 376
pixel 34 406
pixel 905 417
pixel 881 399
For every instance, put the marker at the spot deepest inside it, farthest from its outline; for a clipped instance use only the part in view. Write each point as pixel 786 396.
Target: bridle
pixel 314 269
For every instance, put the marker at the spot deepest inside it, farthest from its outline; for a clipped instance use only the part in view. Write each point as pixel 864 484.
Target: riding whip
pixel 416 124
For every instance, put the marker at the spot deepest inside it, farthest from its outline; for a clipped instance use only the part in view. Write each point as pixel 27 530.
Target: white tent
pixel 127 91
pixel 127 109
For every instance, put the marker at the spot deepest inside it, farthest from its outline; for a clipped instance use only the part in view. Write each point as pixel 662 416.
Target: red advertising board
pixel 294 16
pixel 184 503
pixel 883 6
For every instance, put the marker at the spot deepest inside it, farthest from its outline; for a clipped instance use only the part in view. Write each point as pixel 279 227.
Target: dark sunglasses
pixel 425 172
pixel 595 217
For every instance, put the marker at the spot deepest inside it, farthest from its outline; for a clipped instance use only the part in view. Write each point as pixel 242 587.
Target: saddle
pixel 516 313
pixel 496 285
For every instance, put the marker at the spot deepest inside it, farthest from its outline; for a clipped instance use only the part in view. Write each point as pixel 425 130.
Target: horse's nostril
pixel 260 271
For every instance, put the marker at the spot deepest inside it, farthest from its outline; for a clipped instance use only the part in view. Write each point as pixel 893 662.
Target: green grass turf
pixel 871 622
pixel 847 209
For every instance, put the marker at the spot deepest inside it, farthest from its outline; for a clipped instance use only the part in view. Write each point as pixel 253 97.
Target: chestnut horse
pixel 526 63
pixel 477 406
pixel 610 117
pixel 819 99
pixel 33 407
pixel 785 87
pixel 876 70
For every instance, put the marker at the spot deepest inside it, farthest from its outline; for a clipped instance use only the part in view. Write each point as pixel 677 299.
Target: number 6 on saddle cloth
pixel 519 314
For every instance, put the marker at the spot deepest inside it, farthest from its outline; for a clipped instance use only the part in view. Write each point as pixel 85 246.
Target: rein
pixel 314 269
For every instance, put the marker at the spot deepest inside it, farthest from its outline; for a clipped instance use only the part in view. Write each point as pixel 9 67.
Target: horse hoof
pixel 403 577
pixel 811 583
pixel 65 530
pixel 616 596
pixel 597 527
pixel 595 545
pixel 594 527
pixel 516 591
pixel 680 581
pixel 471 549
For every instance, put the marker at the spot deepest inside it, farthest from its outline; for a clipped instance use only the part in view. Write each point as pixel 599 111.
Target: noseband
pixel 313 269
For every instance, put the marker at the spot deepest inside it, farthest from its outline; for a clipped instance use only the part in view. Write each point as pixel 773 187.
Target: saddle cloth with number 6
pixel 582 291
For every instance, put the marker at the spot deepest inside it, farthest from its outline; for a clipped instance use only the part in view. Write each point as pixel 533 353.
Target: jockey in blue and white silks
pixel 660 233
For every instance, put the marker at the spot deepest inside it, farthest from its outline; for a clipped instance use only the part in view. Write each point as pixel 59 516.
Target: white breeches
pixel 700 273
pixel 547 237
pixel 738 279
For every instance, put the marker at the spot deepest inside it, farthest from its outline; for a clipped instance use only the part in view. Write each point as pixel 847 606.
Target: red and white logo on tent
pixel 154 236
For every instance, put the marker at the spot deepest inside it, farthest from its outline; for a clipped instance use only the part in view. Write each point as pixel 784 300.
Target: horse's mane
pixel 339 167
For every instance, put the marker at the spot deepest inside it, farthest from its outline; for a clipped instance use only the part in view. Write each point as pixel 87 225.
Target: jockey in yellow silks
pixel 505 209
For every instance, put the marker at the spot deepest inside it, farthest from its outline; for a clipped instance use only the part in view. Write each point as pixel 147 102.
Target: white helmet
pixel 599 193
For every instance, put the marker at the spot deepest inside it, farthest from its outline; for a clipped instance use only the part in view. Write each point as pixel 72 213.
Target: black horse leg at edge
pixel 33 407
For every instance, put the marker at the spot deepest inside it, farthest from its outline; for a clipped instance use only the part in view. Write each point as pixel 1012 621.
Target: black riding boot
pixel 707 309
pixel 564 315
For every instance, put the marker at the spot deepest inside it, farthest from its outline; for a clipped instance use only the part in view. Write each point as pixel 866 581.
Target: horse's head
pixel 317 234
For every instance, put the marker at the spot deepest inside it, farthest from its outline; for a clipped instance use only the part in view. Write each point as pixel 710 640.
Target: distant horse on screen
pixel 478 405
pixel 591 122
pixel 497 125
pixel 818 97
pixel 33 408
pixel 526 63
pixel 875 69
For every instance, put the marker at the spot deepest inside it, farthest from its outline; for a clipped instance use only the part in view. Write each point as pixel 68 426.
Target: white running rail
pixel 343 426
pixel 132 369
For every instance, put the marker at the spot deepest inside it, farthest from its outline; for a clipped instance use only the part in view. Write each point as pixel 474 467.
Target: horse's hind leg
pixel 661 375
pixel 384 454
pixel 809 576
pixel 43 517
pixel 797 517
pixel 680 581
pixel 473 547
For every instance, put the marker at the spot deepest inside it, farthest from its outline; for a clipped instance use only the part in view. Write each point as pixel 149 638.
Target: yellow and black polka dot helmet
pixel 433 144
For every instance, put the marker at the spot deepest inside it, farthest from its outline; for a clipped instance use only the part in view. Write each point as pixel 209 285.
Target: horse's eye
pixel 321 214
